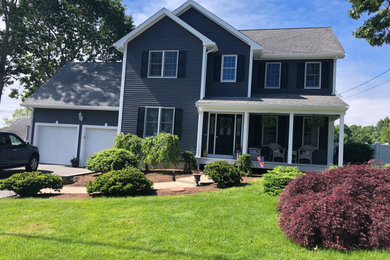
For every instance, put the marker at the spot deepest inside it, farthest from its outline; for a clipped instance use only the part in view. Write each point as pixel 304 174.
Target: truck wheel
pixel 32 164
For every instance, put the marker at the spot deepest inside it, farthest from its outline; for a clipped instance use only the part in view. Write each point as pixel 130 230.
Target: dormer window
pixel 229 68
pixel 313 75
pixel 272 74
pixel 163 64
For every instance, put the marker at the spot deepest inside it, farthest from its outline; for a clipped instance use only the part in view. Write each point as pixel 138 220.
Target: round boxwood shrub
pixel 343 208
pixel 28 184
pixel 223 173
pixel 190 162
pixel 275 180
pixel 356 153
pixel 127 182
pixel 111 159
pixel 244 164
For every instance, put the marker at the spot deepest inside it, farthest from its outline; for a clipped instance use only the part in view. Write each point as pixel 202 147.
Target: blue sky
pixel 361 63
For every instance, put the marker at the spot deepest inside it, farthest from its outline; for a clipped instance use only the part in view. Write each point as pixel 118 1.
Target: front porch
pixel 303 138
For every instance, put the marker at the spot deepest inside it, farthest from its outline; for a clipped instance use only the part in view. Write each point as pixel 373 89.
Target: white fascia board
pixel 120 45
pixel 292 56
pixel 72 107
pixel 187 5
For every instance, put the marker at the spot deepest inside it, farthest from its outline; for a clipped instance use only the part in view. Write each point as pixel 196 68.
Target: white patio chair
pixel 277 151
pixel 305 153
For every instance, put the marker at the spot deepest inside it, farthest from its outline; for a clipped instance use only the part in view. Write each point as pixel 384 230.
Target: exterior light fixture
pixel 80 115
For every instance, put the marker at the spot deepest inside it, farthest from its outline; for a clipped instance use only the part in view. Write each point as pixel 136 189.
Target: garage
pixel 57 143
pixel 95 139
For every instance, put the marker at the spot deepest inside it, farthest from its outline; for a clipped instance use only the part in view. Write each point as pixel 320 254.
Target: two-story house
pixel 223 91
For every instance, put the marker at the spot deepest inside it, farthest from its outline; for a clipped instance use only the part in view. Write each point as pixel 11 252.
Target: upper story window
pixel 313 75
pixel 272 74
pixel 158 119
pixel 229 68
pixel 311 134
pixel 163 64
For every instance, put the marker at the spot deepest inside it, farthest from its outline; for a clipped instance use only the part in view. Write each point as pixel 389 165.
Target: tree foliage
pixel 40 36
pixel 376 28
pixel 19 113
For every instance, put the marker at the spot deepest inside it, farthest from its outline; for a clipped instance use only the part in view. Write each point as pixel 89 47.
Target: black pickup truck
pixel 14 152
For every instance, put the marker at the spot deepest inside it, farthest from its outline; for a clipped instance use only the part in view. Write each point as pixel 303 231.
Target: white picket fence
pixel 382 152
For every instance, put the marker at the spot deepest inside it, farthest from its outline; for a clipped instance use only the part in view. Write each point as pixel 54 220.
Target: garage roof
pixel 81 84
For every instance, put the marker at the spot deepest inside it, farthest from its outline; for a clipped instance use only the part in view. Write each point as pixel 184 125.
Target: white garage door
pixel 96 139
pixel 57 143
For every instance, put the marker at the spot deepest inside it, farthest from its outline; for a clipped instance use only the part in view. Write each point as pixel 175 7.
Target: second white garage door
pixel 95 139
pixel 57 143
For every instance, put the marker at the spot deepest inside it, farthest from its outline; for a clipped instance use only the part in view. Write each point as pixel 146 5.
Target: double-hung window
pixel 229 68
pixel 311 134
pixel 163 64
pixel 270 133
pixel 313 75
pixel 158 119
pixel 272 74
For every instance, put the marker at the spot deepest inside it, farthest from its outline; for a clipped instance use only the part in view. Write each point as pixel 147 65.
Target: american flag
pixel 261 161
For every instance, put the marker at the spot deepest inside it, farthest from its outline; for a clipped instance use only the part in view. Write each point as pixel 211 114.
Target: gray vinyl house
pixel 223 91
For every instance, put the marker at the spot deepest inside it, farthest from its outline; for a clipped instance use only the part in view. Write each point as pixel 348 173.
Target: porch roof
pixel 283 103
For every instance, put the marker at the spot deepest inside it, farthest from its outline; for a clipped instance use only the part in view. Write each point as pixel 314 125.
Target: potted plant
pixel 316 121
pixel 269 121
pixel 75 162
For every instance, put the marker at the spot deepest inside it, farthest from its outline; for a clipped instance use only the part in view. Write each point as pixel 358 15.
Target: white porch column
pixel 245 133
pixel 290 138
pixel 199 138
pixel 330 140
pixel 341 140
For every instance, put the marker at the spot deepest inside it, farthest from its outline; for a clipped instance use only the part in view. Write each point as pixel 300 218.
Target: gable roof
pixel 255 46
pixel 79 85
pixel 19 127
pixel 121 44
pixel 297 42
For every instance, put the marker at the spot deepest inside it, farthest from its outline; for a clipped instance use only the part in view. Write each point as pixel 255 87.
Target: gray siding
pixel 65 116
pixel 292 78
pixel 227 44
pixel 181 93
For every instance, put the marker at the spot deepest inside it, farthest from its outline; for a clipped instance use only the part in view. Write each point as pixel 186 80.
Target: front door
pixel 224 134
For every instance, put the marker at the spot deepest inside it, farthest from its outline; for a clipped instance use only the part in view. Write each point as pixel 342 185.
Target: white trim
pixel 159 119
pixel 73 107
pixel 83 138
pixel 30 130
pixel 246 133
pixel 187 5
pixel 277 132
pixel 120 45
pixel 303 134
pixel 330 140
pixel 290 139
pixel 250 72
pixel 122 93
pixel 204 74
pixel 294 56
pixel 320 74
pixel 215 132
pixel 208 132
pixel 334 76
pixel 265 75
pixel 199 134
pixel 163 64
pixel 235 67
pixel 234 133
pixel 341 141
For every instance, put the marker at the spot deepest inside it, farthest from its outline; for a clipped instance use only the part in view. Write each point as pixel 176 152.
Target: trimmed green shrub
pixel 28 184
pixel 111 159
pixel 126 182
pixel 162 148
pixel 223 173
pixel 356 153
pixel 190 163
pixel 275 180
pixel 386 165
pixel 244 164
pixel 129 142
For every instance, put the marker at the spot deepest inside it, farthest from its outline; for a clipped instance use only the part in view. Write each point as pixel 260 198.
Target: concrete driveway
pixel 60 170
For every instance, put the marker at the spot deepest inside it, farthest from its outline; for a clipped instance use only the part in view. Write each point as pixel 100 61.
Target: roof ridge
pixel 291 28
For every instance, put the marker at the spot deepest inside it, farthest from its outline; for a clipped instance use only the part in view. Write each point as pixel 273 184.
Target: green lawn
pixel 236 223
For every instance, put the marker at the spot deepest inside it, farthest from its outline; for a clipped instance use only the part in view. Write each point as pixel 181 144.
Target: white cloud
pixel 366 111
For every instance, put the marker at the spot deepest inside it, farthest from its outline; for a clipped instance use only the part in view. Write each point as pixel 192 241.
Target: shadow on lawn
pixel 112 245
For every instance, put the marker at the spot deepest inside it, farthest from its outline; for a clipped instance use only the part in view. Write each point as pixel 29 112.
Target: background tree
pixel 50 33
pixel 376 28
pixel 19 113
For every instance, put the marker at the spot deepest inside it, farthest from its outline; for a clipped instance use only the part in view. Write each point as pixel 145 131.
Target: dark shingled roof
pixel 318 40
pixel 81 84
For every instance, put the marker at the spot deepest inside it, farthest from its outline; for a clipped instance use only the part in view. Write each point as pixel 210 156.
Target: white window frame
pixel 265 77
pixel 163 64
pixel 320 70
pixel 159 119
pixel 303 134
pixel 277 132
pixel 235 68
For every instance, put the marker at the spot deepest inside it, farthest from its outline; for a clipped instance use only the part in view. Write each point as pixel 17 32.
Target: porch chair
pixel 305 153
pixel 277 151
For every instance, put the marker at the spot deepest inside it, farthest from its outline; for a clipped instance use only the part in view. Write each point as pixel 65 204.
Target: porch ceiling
pixel 288 103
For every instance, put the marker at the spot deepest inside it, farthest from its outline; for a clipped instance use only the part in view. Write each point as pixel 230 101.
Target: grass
pixel 236 223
